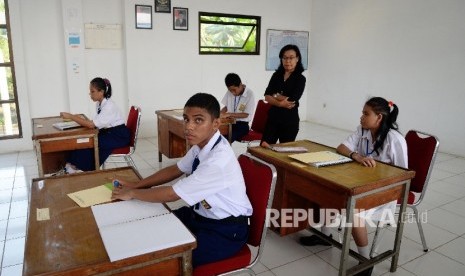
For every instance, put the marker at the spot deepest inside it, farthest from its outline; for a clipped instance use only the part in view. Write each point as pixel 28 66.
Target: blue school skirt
pixel 108 140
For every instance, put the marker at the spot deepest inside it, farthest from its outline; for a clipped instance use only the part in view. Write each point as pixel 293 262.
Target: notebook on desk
pixel 288 149
pixel 131 228
pixel 66 125
pixel 320 158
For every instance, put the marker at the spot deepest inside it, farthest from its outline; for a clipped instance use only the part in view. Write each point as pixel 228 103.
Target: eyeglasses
pixel 288 58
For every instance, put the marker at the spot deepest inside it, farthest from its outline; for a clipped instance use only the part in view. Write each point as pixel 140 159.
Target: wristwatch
pixel 352 153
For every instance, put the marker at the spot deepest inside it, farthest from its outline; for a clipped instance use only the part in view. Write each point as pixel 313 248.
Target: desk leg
pixel 187 263
pixel 96 155
pixel 400 226
pixel 346 238
pixel 159 156
pixel 39 159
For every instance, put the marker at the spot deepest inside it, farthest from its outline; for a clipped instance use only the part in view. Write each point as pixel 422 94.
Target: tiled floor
pixel 443 205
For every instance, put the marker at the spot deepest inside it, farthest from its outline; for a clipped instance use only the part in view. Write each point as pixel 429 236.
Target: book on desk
pixel 289 149
pixel 321 158
pixel 133 227
pixel 66 125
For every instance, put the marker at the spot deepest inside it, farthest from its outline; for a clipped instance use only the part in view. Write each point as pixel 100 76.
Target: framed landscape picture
pixel 143 17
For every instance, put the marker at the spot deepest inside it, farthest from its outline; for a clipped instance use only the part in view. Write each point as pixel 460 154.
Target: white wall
pixel 164 68
pixel 156 69
pixel 411 52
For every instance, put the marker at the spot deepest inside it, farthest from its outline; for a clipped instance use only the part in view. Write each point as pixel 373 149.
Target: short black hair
pixel 232 79
pixel 205 101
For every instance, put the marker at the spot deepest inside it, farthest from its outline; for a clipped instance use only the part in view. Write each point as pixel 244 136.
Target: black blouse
pixel 293 88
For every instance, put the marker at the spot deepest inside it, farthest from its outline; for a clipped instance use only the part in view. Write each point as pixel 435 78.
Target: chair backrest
pixel 133 124
pixel 260 179
pixel 261 116
pixel 421 156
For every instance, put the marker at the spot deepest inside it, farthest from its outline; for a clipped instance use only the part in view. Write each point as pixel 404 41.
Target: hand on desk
pixel 122 192
pixel 366 161
pixel 66 115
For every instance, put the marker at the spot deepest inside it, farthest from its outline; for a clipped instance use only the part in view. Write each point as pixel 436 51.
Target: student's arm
pixel 162 176
pixel 78 119
pixel 366 161
pixel 157 194
pixel 128 190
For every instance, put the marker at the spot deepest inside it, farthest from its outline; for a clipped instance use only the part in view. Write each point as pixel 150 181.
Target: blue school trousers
pixel 216 239
pixel 108 140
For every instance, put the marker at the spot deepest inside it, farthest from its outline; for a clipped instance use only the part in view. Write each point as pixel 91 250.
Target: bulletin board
pixel 103 36
pixel 276 39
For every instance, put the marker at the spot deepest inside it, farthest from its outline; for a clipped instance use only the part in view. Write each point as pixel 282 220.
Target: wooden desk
pixel 171 141
pixel 53 145
pixel 70 243
pixel 345 186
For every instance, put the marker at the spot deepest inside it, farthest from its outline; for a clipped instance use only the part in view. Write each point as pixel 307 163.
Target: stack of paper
pixel 131 228
pixel 66 125
pixel 321 158
pixel 92 196
pixel 289 149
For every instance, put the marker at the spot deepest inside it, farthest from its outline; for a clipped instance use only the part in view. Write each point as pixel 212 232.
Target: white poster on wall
pixel 103 36
pixel 277 39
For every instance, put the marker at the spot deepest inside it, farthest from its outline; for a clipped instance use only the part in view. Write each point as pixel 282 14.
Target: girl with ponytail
pixel 113 132
pixel 376 139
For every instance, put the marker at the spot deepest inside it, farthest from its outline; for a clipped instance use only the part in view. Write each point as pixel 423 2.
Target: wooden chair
pixel 258 123
pixel 125 153
pixel 422 149
pixel 260 179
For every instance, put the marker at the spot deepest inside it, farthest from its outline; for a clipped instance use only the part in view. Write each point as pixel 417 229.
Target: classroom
pixel 409 52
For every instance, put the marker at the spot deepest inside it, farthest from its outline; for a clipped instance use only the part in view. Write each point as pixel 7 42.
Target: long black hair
pixel 388 121
pixel 299 68
pixel 102 84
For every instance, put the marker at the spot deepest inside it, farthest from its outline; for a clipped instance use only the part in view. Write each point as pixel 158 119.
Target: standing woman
pixel 113 132
pixel 283 93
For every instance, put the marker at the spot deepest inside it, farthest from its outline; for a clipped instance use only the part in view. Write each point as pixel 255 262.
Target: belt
pixel 242 122
pixel 228 220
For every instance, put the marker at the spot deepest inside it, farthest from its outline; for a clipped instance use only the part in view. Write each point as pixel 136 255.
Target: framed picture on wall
pixel 163 6
pixel 143 17
pixel 180 19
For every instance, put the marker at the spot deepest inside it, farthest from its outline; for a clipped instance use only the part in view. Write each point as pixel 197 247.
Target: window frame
pixel 256 25
pixel 10 64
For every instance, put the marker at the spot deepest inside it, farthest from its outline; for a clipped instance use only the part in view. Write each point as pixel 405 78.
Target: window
pixel 10 125
pixel 229 34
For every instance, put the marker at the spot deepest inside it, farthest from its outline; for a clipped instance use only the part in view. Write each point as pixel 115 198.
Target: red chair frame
pixel 260 180
pixel 133 123
pixel 258 123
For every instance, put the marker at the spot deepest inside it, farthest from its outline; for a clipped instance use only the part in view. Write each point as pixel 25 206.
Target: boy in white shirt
pixel 239 103
pixel 215 189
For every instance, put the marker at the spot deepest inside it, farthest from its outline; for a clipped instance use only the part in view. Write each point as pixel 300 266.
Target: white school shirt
pixel 218 180
pixel 244 103
pixel 110 115
pixel 394 152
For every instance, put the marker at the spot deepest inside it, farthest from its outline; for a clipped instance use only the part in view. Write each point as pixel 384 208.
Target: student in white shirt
pixel 239 103
pixel 214 189
pixel 376 139
pixel 113 132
